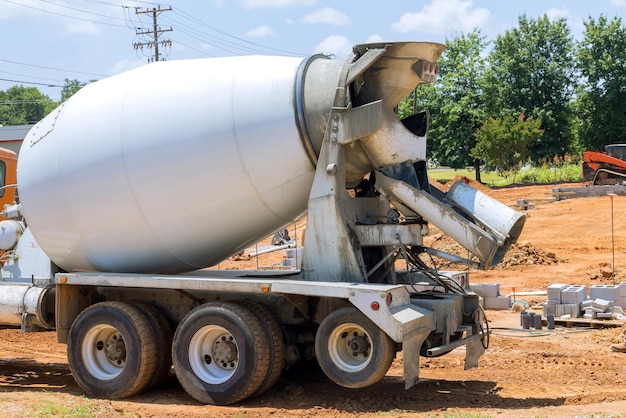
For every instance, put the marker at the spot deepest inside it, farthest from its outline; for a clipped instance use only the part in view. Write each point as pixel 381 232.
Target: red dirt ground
pixel 564 372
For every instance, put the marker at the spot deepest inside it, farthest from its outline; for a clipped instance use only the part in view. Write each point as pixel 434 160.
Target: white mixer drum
pixel 167 168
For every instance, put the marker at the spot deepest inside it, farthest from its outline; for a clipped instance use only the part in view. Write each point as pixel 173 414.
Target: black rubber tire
pixel 109 329
pixel 164 337
pixel 337 358
pixel 277 345
pixel 214 330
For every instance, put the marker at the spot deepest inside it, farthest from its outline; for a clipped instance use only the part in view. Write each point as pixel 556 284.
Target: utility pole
pixel 155 32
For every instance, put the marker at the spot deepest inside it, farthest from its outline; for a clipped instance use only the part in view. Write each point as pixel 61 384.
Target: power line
pixel 245 41
pixel 188 25
pixel 81 10
pixel 217 42
pixel 30 82
pixel 117 4
pixel 52 68
pixel 64 15
pixel 31 76
pixel 19 102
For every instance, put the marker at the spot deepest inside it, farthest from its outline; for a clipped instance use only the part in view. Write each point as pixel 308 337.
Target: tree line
pixel 533 94
pixel 21 105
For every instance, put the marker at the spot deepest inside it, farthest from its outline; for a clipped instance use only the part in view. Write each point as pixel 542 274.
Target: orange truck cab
pixel 8 177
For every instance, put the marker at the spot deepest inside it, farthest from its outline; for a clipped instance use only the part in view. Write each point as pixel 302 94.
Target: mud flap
pixel 411 346
pixel 473 350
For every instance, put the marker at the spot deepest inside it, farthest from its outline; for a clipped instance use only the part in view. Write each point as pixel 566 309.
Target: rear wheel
pixel 111 350
pixel 351 350
pixel 163 336
pixel 276 345
pixel 221 353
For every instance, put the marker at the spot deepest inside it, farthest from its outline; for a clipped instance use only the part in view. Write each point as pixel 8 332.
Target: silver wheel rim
pixel 350 347
pixel 213 354
pixel 104 352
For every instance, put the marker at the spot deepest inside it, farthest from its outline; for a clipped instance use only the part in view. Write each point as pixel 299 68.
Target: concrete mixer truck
pixel 98 249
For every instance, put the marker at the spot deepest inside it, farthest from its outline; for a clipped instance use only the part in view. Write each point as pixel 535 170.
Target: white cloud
pixel 558 13
pixel 260 32
pixel 440 16
pixel 81 27
pixel 327 15
pixel 374 39
pixel 276 4
pixel 336 45
pixel 618 3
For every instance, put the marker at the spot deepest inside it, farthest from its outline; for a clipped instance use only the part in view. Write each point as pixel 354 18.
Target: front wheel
pixel 111 350
pixel 351 350
pixel 221 353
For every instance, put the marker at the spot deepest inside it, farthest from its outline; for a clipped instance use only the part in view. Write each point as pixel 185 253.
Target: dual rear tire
pixel 112 350
pixel 222 352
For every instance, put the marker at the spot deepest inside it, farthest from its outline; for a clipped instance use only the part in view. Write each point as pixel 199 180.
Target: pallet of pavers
pixel 571 306
pixel 591 323
pixel 562 193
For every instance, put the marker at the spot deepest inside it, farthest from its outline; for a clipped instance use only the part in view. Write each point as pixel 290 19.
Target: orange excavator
pixel 607 167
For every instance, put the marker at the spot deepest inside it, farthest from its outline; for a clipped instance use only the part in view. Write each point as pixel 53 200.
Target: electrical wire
pixel 61 14
pixel 186 24
pixel 29 76
pixel 81 10
pixel 30 82
pixel 245 41
pixel 51 68
pixel 19 102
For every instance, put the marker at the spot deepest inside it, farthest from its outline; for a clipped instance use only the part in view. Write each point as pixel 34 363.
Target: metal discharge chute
pixel 363 137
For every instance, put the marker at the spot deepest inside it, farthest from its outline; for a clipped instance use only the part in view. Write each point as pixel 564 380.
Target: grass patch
pixel 445 175
pixel 545 174
pixel 55 409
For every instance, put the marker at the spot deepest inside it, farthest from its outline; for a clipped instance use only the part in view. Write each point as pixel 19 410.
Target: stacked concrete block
pixel 293 257
pixel 564 299
pixel 554 292
pixel 621 302
pixel 574 294
pixel 562 193
pixel 549 308
pixel 605 291
pixel 486 289
pixel 490 292
pixel 563 309
pixel 597 308
pixel 498 302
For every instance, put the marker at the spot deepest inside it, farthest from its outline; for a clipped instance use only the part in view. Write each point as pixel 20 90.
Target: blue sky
pixel 47 41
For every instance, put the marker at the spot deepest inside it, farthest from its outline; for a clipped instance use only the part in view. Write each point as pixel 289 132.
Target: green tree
pixel 70 88
pixel 21 105
pixel 531 71
pixel 461 111
pixel 503 142
pixel 601 96
pixel 454 102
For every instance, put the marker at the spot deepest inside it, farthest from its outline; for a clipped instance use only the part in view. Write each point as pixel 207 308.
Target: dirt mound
pixel 520 254
pixel 526 254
